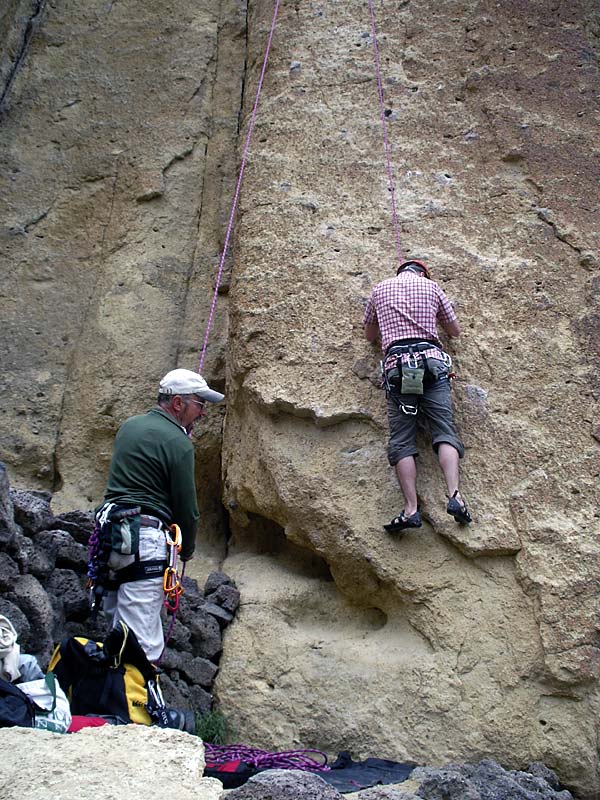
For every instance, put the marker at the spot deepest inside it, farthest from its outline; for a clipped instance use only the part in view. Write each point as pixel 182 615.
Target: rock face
pixel 119 123
pixel 452 642
pixel 118 141
pixel 115 761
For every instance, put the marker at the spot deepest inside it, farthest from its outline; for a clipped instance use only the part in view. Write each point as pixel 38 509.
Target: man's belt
pixel 412 345
pixel 150 522
pixel 137 571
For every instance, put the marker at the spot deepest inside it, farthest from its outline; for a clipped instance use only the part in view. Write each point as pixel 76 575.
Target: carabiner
pixel 410 410
pixel 171 583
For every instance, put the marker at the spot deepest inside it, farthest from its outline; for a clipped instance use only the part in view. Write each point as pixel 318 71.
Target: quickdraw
pixel 171 581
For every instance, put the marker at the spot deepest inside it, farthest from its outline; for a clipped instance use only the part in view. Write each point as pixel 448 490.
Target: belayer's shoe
pixel 181 720
pixel 402 522
pixel 458 510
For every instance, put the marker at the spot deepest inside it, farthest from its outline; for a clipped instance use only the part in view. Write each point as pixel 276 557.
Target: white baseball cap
pixel 184 381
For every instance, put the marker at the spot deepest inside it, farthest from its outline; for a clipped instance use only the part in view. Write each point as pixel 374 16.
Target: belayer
pixel 404 312
pixel 150 486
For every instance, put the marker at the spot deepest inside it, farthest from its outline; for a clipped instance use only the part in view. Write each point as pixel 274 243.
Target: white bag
pixel 52 712
pixel 9 651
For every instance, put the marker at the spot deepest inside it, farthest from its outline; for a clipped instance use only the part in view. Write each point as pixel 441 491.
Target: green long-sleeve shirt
pixel 153 466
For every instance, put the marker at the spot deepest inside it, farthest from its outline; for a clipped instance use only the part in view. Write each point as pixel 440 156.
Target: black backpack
pixel 114 679
pixel 16 708
pixel 108 680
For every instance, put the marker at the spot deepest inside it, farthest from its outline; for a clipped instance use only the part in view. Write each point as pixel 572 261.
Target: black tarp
pixel 345 774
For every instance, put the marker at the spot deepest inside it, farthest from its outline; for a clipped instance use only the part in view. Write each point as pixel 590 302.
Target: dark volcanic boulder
pixel 32 510
pixel 80 524
pixel 8 527
pixel 487 780
pixel 285 784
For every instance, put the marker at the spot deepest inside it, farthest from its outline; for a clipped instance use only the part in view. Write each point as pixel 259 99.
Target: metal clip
pixel 384 378
pixel 171 582
pixel 447 360
pixel 411 410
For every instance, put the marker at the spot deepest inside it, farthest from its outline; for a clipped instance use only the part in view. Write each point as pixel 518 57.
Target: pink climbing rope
pixel 237 188
pixel 216 754
pixel 385 136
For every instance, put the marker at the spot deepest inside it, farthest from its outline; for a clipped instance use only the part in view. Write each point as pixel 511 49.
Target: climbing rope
pixel 237 188
pixel 216 754
pixel 385 136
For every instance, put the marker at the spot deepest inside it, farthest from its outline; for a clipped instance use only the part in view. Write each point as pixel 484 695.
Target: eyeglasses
pixel 201 403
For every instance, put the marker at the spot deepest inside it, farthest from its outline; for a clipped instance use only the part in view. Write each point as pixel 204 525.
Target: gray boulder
pixel 446 784
pixel 7 514
pixel 205 635
pixel 9 572
pixel 68 594
pixel 69 553
pixel 385 793
pixel 285 784
pixel 223 617
pixel 486 780
pixel 178 694
pixel 179 637
pixel 22 551
pixel 199 671
pixel 540 770
pixel 32 510
pixel 80 524
pixel 226 596
pixel 31 598
pixel 38 562
pixel 216 579
pixel 200 700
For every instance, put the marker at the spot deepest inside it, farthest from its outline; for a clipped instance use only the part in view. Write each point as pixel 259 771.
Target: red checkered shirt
pixel 407 307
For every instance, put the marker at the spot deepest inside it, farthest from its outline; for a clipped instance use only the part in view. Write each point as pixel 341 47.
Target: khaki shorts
pixel 435 404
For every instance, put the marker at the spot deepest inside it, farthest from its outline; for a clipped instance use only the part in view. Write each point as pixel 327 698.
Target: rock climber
pixel 404 311
pixel 151 485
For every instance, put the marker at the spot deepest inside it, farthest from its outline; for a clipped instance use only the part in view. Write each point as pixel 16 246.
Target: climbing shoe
pixel 402 522
pixel 458 510
pixel 181 720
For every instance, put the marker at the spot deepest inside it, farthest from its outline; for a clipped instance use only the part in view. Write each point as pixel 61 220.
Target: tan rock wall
pixel 118 156
pixel 452 643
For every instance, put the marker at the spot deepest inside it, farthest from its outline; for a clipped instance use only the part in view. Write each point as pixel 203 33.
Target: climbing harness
pixel 116 529
pixel 171 580
pixel 238 186
pixel 405 368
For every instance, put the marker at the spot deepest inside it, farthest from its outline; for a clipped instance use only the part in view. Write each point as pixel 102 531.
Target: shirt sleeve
pixel 370 312
pixel 445 312
pixel 183 499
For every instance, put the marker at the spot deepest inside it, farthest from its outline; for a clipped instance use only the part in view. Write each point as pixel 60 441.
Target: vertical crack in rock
pixel 188 278
pixel 33 22
pixel 244 76
pixel 210 157
pixel 99 272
